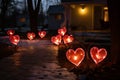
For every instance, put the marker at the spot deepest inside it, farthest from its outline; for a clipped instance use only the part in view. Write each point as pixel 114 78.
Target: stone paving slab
pixel 34 60
pixel 34 42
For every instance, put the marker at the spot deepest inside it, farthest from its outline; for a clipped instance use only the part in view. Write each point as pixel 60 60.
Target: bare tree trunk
pixel 33 22
pixel 33 14
pixel 4 5
pixel 114 17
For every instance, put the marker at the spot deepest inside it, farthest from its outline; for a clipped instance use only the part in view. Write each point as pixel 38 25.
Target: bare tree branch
pixel 38 6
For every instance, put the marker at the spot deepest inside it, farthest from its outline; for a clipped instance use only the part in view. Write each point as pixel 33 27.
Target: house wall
pixel 98 17
pixel 82 20
pixel 55 21
pixel 88 19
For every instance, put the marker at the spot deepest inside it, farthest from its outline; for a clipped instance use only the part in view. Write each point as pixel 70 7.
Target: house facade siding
pixel 88 19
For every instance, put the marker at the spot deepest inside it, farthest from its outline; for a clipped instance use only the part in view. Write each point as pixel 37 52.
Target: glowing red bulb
pixel 56 39
pixel 98 55
pixel 14 39
pixel 68 39
pixel 75 57
pixel 10 32
pixel 31 35
pixel 42 34
pixel 62 31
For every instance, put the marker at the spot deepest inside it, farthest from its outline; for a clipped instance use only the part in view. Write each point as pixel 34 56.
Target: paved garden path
pixel 34 60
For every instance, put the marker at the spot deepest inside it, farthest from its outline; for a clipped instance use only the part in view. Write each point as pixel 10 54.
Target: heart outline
pixel 56 39
pixel 68 39
pixel 62 31
pixel 98 55
pixel 14 39
pixel 42 34
pixel 75 57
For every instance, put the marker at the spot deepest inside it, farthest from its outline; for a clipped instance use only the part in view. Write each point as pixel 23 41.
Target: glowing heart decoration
pixel 75 57
pixel 14 39
pixel 31 35
pixel 42 34
pixel 62 31
pixel 98 55
pixel 68 39
pixel 10 32
pixel 56 39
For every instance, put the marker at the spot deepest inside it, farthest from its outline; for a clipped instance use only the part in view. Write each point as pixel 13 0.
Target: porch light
pixel 82 10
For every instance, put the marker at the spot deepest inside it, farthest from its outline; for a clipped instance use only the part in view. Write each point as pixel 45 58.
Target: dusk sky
pixel 45 4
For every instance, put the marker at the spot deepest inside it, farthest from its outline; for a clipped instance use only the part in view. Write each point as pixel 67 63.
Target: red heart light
pixel 10 32
pixel 68 39
pixel 31 35
pixel 14 39
pixel 56 39
pixel 42 33
pixel 98 55
pixel 75 57
pixel 62 31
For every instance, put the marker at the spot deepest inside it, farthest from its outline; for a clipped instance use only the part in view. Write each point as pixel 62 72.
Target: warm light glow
pixel 82 11
pixel 98 55
pixel 16 59
pixel 68 39
pixel 62 31
pixel 75 58
pixel 31 35
pixel 10 32
pixel 42 34
pixel 106 17
pixel 14 39
pixel 57 42
pixel 22 19
pixel 72 6
pixel 105 8
pixel 56 39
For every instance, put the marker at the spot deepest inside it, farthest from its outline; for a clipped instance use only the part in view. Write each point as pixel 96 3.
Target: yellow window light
pixel 105 8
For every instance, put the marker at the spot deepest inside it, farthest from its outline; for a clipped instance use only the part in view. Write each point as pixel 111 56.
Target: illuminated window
pixel 106 18
pixel 22 19
pixel 58 17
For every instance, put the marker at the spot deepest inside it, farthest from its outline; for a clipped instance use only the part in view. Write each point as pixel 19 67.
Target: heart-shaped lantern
pixel 31 35
pixel 75 57
pixel 10 32
pixel 68 39
pixel 62 31
pixel 98 55
pixel 42 33
pixel 14 39
pixel 56 39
